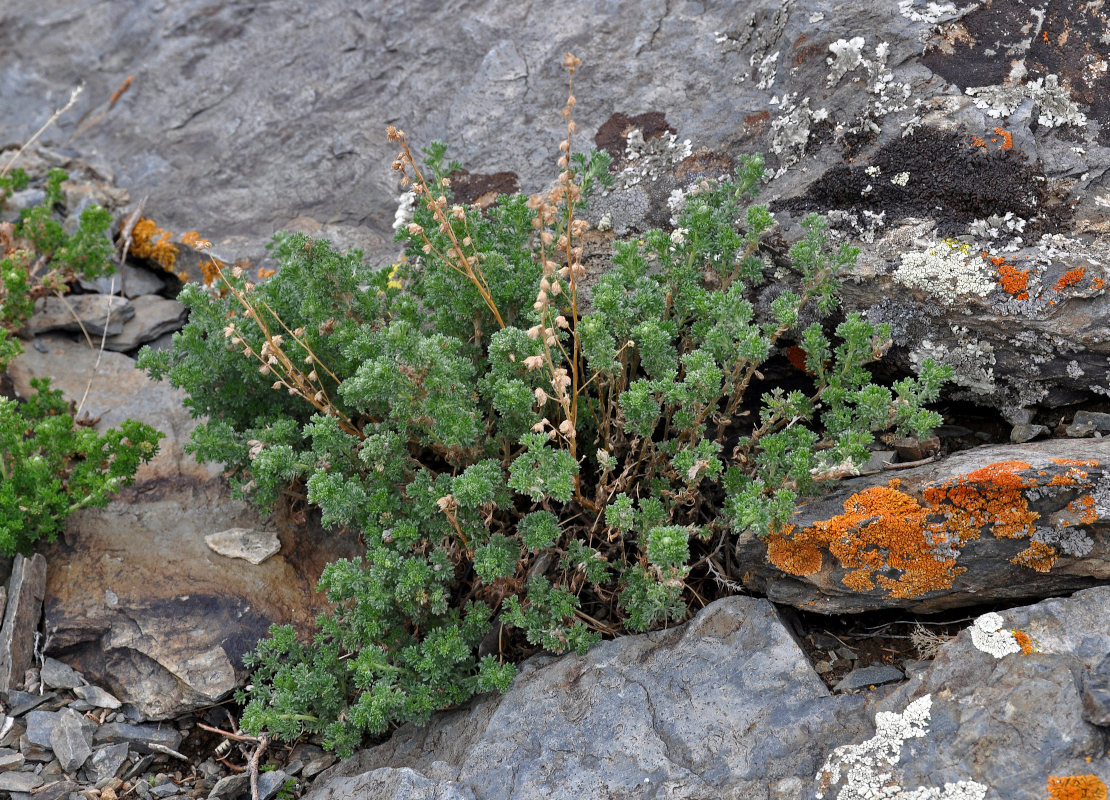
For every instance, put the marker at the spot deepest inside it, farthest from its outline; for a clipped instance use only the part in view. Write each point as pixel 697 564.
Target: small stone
pixel 71 740
pixel 875 675
pixel 822 667
pixel 57 675
pixel 22 702
pixel 164 790
pixel 249 545
pixel 138 736
pixel 95 312
pixel 1087 422
pixel 19 781
pixel 317 765
pixel 230 787
pixel 154 316
pixel 11 761
pixel 26 588
pixel 137 281
pixel 106 761
pixel 270 783
pixel 97 697
pixel 1025 432
pixel 40 724
pixel 1096 694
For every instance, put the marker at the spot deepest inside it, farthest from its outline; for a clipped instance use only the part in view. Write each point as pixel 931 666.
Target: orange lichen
pixel 794 555
pixel 977 142
pixel 1023 640
pixel 266 273
pixel 1014 281
pixel 1007 139
pixel 1072 462
pixel 1003 474
pixel 210 270
pixel 1076 787
pixel 1070 278
pixel 1098 284
pixel 1085 508
pixel 151 242
pixel 1038 556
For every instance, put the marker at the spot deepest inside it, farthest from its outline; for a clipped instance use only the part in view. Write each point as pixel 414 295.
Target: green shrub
pixel 50 464
pixel 507 458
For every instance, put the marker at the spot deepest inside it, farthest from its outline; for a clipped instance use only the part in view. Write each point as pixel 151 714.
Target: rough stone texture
pixel 912 124
pixel 972 528
pixel 245 544
pixel 107 760
pixel 865 677
pixel 40 726
pixel 1096 694
pixel 71 740
pixel 136 282
pixel 57 675
pixel 169 620
pixel 725 706
pixel 153 317
pixel 138 737
pixel 19 781
pixel 1009 723
pixel 93 312
pixel 26 589
pixel 96 696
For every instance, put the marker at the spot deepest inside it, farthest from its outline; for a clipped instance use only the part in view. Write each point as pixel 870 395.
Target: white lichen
pixel 847 54
pixel 901 179
pixel 791 132
pixel 945 271
pixel 767 70
pixel 1055 107
pixel 1074 370
pixel 1071 540
pixel 406 205
pixel 989 634
pixel 931 15
pixel 868 768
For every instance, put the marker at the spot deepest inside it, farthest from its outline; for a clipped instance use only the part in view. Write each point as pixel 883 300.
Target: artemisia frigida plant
pixel 522 471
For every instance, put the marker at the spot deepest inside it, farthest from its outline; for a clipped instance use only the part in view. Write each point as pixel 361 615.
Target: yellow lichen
pixel 1076 787
pixel 151 242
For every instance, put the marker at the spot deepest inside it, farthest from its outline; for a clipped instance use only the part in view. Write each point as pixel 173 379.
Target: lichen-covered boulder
pixel 983 525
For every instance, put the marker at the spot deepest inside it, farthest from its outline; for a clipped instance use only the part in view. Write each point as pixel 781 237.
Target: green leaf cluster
pixel 526 470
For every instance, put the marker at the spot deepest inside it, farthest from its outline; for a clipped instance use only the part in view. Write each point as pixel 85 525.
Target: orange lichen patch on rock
pixel 1086 508
pixel 1038 556
pixel 151 242
pixel 978 142
pixel 1070 278
pixel 1071 477
pixel 1002 474
pixel 210 270
pixel 1098 284
pixel 1007 139
pixel 1023 640
pixel 1073 462
pixel 883 528
pixel 1076 787
pixel 797 555
pixel 988 496
pixel 1014 281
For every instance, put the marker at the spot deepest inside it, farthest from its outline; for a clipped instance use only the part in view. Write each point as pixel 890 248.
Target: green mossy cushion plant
pixel 522 472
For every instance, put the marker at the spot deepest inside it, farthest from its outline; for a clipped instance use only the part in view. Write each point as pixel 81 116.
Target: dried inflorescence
pixel 884 530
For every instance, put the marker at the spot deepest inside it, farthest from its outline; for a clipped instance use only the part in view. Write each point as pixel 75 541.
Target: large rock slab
pixel 166 621
pixel 725 706
pixel 1000 710
pixel 984 525
pixel 911 125
pixel 26 588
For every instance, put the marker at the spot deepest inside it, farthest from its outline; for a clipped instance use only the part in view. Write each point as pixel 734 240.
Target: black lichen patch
pixel 950 180
pixel 612 135
pixel 472 187
pixel 1064 38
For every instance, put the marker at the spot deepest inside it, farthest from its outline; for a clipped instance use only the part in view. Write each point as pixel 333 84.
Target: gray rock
pixel 19 781
pixel 1087 422
pixel 138 737
pixel 92 313
pixel 107 761
pixel 26 588
pixel 137 281
pixel 270 783
pixel 40 726
pixel 724 706
pixel 165 790
pixel 1005 722
pixel 57 675
pixel 11 761
pixel 862 678
pixel 97 697
pixel 22 702
pixel 71 740
pixel 154 317
pixel 249 545
pixel 973 528
pixel 1096 694
pixel 1026 433
pixel 230 787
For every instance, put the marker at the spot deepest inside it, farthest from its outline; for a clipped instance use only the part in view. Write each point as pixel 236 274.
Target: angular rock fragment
pixel 96 696
pixel 26 588
pixel 57 675
pixel 71 740
pixel 249 545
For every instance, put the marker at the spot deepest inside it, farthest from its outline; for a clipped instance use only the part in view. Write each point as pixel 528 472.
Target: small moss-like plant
pixel 525 471
pixel 50 465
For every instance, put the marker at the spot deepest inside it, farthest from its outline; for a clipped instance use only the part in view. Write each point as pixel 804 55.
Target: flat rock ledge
pixel 993 524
